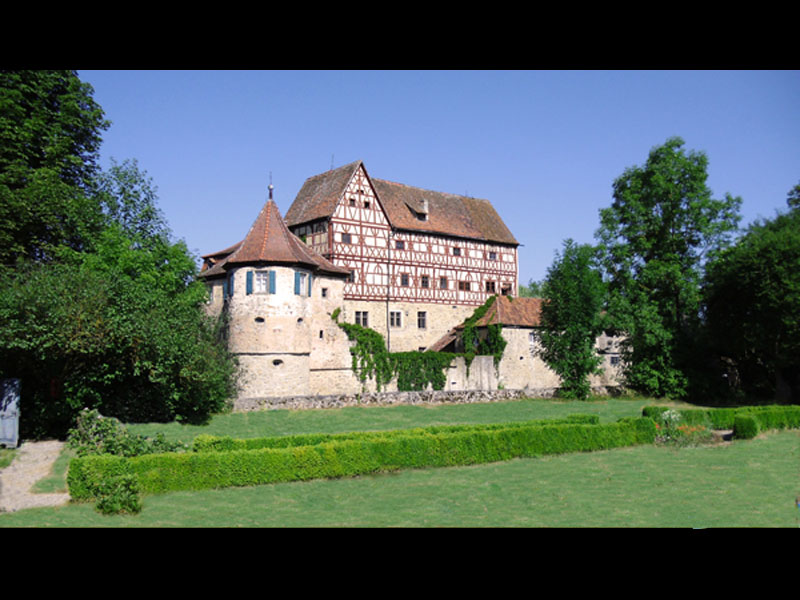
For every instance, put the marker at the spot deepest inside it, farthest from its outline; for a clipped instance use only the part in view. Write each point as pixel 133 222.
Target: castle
pixel 409 263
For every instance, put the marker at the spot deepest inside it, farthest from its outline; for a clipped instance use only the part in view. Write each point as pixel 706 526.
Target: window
pixel 464 286
pixel 262 281
pixel 404 279
pixel 456 251
pixel 506 289
pixel 490 287
pixel 352 201
pixel 352 277
pixel 424 281
pixel 302 283
pixel 615 360
pixel 366 203
pixel 399 245
pixel 442 283
pixel 347 238
pixel 394 319
pixel 362 318
pixel 324 292
pixel 492 255
pixel 422 319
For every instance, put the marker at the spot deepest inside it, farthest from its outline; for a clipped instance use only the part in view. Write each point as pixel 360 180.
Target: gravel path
pixel 34 460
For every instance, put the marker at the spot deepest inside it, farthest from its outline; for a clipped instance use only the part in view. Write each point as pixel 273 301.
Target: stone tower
pixel 279 296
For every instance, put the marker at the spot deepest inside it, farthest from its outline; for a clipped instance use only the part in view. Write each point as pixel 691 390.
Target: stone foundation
pixel 431 397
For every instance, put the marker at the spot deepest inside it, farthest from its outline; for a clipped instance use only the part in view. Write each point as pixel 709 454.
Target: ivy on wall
pixel 416 370
pixel 474 345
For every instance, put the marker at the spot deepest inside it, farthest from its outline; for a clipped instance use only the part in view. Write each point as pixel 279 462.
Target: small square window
pixel 366 204
pixel 492 255
pixel 395 319
pixel 347 238
pixel 464 286
pixel 456 251
pixel 399 245
pixel 352 201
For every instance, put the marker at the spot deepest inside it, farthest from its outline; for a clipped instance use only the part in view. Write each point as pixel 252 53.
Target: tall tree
pixel 752 308
pixel 532 290
pixel 661 228
pixel 574 294
pixel 50 135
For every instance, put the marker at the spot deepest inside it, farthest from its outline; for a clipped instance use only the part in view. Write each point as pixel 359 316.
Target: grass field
pixel 750 483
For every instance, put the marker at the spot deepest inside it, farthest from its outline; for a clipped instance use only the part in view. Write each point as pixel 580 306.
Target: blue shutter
pixel 230 284
pixel 225 290
pixel 297 283
pixel 249 282
pixel 309 284
pixel 272 282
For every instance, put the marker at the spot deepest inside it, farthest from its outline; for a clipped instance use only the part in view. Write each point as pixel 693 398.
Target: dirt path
pixel 34 460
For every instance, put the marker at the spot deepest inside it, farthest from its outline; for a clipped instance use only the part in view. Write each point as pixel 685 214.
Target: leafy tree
pixel 532 290
pixel 98 307
pixel 128 198
pixel 660 230
pixel 571 320
pixel 752 308
pixel 793 198
pixel 119 330
pixel 50 134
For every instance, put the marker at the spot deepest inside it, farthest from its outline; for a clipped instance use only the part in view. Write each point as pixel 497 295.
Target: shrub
pixel 118 494
pixel 360 454
pixel 95 434
pixel 745 427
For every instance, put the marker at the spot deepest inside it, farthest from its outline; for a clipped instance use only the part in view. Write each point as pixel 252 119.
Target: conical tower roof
pixel 270 241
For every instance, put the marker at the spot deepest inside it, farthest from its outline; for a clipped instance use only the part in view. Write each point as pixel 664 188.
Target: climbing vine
pixel 416 370
pixel 474 345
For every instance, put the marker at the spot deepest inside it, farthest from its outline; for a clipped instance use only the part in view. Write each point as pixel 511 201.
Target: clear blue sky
pixel 543 146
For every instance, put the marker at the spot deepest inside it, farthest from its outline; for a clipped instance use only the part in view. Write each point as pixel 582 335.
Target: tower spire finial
pixel 270 188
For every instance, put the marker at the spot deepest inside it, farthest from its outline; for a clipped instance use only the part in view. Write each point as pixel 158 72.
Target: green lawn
pixel 749 483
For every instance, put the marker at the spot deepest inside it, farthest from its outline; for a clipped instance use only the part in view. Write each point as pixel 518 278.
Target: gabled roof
pixel 319 195
pixel 512 312
pixel 269 241
pixel 448 214
pixel 505 310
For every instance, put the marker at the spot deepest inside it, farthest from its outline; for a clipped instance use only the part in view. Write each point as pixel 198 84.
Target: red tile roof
pixel 448 214
pixel 270 241
pixel 516 312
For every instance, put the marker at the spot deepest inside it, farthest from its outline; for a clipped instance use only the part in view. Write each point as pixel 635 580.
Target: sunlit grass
pixel 748 483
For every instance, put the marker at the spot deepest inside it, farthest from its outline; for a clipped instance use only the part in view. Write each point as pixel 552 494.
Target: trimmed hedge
pixel 746 421
pixel 158 473
pixel 211 443
pixel 748 424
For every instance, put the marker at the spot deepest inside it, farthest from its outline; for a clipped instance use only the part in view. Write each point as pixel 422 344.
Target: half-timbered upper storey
pixel 405 243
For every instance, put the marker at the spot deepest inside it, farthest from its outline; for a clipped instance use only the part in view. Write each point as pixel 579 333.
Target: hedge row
pixel 748 424
pixel 158 473
pixel 212 443
pixel 746 421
